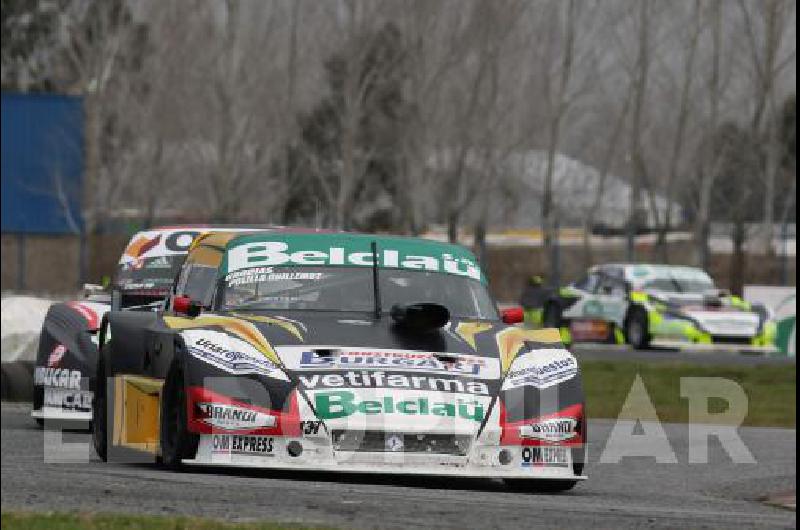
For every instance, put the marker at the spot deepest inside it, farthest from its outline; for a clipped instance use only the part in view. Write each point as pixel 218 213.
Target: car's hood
pixel 724 321
pixel 365 374
pixel 714 314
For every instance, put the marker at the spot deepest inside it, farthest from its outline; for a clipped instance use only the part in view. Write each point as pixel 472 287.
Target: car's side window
pixel 198 282
pixel 612 286
pixel 587 283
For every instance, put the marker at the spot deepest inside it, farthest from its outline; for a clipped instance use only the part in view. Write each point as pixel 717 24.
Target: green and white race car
pixel 648 305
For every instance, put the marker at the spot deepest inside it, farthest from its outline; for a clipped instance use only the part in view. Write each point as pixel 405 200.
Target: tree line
pixel 399 115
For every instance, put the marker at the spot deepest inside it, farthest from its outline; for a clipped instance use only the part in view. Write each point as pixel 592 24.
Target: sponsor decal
pixel 307 358
pixel 592 308
pixel 541 369
pixel 544 456
pixel 267 274
pixel 141 245
pixel 589 330
pixel 233 418
pixel 341 404
pixel 229 354
pixel 240 444
pixel 158 243
pixel 310 428
pixel 57 377
pixel 316 251
pixel 66 399
pixel 550 430
pixel 380 379
pixel 56 355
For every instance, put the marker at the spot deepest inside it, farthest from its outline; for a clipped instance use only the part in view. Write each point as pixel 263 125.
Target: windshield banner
pixel 324 250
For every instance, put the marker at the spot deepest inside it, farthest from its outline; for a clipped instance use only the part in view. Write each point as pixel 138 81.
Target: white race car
pixel 340 352
pixel 654 305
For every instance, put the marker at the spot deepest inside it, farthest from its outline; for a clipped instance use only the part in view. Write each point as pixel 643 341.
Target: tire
pixel 177 443
pixel 540 486
pixel 636 329
pixel 552 315
pixel 100 411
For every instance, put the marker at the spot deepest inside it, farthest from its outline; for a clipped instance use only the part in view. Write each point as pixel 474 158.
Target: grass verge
pixel 771 389
pixel 20 520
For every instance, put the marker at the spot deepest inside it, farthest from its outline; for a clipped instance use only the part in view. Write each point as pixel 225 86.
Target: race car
pixel 67 352
pixel 648 305
pixel 340 352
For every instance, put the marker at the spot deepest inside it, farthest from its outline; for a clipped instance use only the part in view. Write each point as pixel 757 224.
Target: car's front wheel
pixel 637 329
pixel 177 443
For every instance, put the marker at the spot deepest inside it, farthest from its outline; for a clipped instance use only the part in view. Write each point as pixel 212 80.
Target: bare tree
pixel 764 44
pixel 559 104
pixel 708 169
pixel 641 77
pixel 684 103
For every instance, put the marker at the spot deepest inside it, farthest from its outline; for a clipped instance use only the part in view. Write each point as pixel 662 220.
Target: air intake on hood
pixel 423 316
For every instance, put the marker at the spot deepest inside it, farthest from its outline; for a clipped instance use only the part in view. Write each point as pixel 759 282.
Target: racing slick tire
pixel 177 443
pixel 540 486
pixel 551 317
pixel 100 409
pixel 636 329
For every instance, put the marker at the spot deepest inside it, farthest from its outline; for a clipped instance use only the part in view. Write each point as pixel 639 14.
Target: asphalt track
pixel 638 493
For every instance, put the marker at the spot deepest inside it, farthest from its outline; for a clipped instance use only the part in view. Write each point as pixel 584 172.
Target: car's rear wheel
pixel 637 330
pixel 177 443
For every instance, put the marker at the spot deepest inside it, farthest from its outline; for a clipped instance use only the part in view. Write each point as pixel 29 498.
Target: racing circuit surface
pixel 636 493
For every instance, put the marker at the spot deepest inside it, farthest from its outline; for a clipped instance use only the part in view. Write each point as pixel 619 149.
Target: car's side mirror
pixel 513 315
pixel 184 305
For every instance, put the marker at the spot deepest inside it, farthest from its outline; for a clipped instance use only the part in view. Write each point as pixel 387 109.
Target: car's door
pixel 612 297
pixel 586 289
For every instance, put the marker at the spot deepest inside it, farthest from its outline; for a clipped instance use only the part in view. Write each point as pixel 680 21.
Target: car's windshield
pixel 679 280
pixel 148 273
pixel 351 289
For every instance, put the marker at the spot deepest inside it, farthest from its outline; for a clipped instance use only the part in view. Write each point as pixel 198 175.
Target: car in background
pixel 340 352
pixel 67 351
pixel 665 305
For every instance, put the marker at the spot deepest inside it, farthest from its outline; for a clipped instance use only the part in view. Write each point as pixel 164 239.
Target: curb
pixel 16 381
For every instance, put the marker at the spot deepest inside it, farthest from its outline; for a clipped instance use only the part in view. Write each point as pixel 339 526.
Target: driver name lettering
pixel 266 274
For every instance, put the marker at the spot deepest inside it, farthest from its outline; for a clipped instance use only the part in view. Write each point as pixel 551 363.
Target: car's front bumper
pixel 481 462
pixel 679 332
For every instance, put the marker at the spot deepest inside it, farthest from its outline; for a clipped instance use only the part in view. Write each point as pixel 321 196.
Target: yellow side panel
pixel 137 409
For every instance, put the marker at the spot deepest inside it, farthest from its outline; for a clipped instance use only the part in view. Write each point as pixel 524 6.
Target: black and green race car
pixel 648 305
pixel 340 352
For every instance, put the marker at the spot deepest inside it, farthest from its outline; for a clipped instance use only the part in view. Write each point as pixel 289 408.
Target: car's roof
pixel 629 265
pixel 336 234
pixel 333 248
